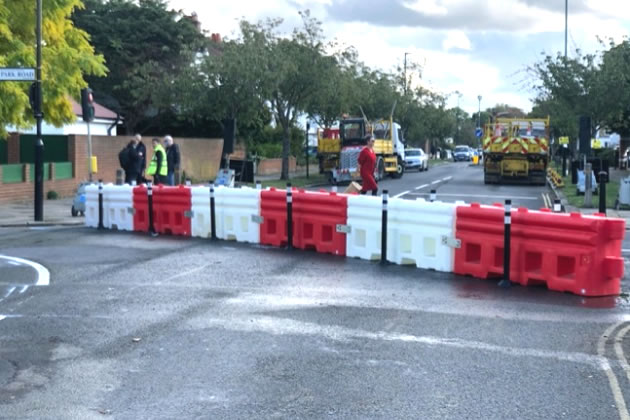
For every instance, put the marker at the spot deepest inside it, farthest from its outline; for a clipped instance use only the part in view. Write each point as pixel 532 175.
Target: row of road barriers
pixel 565 252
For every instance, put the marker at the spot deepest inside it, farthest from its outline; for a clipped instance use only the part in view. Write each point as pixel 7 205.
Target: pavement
pixel 56 213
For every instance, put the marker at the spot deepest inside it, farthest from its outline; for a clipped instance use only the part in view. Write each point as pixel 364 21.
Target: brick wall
pixel 201 159
pixel 274 166
pixel 24 191
pixel 13 148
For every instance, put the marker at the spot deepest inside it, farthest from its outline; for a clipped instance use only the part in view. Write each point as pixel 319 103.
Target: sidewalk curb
pixel 42 224
pixel 560 196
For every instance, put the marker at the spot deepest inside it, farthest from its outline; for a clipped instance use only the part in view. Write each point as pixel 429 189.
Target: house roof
pixel 100 111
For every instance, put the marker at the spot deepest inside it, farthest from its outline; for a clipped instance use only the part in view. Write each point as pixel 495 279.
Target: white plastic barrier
pixel 421 233
pixel 117 205
pixel 238 214
pixel 200 206
pixel 91 206
pixel 364 219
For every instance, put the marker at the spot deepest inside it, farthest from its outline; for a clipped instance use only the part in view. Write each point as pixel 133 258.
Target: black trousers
pixel 130 176
pixel 374 191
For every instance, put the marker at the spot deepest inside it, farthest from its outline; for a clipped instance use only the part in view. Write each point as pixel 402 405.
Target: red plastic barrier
pixel 141 209
pixel 273 209
pixel 317 215
pixel 315 219
pixel 480 230
pixel 569 252
pixel 566 252
pixel 170 205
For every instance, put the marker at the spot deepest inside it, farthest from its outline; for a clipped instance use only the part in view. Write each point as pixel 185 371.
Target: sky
pixel 474 47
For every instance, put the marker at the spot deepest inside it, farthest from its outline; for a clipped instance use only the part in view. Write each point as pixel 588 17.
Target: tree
pixel 613 85
pixel 298 73
pixel 67 57
pixel 146 47
pixel 568 87
pixel 231 80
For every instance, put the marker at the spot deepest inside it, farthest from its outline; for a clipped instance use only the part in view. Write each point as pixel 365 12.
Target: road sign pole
pixel 39 143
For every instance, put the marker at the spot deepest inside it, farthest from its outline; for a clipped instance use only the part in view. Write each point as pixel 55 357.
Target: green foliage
pixel 52 195
pixel 146 47
pixel 67 57
pixel 596 85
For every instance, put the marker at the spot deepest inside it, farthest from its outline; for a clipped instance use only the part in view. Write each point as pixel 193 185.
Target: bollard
pixel 433 195
pixel 213 224
pixel 289 216
pixel 334 188
pixel 258 185
pixel 602 192
pixel 588 186
pixel 100 204
pixel 150 201
pixel 506 244
pixel 120 177
pixel 188 183
pixel 564 166
pixel 384 229
pixel 557 206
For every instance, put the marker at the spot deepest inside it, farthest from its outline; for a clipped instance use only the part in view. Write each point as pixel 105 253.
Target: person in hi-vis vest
pixel 158 167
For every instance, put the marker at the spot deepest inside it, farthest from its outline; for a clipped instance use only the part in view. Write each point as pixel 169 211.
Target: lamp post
pixel 479 113
pixel 405 85
pixel 459 95
pixel 566 25
pixel 39 144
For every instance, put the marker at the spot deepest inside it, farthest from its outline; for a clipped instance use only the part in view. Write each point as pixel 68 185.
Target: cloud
pixel 456 40
pixel 523 16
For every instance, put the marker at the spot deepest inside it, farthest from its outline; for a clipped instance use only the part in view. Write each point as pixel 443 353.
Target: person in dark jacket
pixel 173 159
pixel 132 169
pixel 142 154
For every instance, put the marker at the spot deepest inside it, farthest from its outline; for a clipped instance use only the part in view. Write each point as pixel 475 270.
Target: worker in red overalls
pixel 367 161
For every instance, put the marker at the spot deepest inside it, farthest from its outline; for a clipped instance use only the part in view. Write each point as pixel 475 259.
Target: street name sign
pixel 17 74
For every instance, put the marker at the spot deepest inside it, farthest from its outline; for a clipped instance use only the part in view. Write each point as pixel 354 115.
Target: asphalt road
pixel 134 327
pixel 462 181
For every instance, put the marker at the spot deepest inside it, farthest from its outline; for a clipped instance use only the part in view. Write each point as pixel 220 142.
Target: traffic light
pixel 87 104
pixel 32 96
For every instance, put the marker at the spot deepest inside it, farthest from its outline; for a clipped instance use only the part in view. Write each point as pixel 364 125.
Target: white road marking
pixel 2 317
pixel 8 293
pixel 620 403
pixel 619 350
pixel 401 194
pixel 283 326
pixel 478 196
pixel 448 178
pixel 436 182
pixel 185 273
pixel 23 289
pixel 43 275
pixel 625 251
pixel 422 186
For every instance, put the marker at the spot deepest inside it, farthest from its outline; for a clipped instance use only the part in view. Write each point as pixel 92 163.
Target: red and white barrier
pixel 565 252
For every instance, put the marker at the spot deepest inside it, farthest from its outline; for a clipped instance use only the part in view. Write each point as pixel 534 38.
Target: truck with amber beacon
pixel 339 149
pixel 516 150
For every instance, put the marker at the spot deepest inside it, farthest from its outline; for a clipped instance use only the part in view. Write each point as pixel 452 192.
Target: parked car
pixel 462 153
pixel 416 159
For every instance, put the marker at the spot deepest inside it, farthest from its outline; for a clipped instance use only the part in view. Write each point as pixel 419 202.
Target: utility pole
pixel 459 95
pixel 479 113
pixel 566 25
pixel 405 85
pixel 39 143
